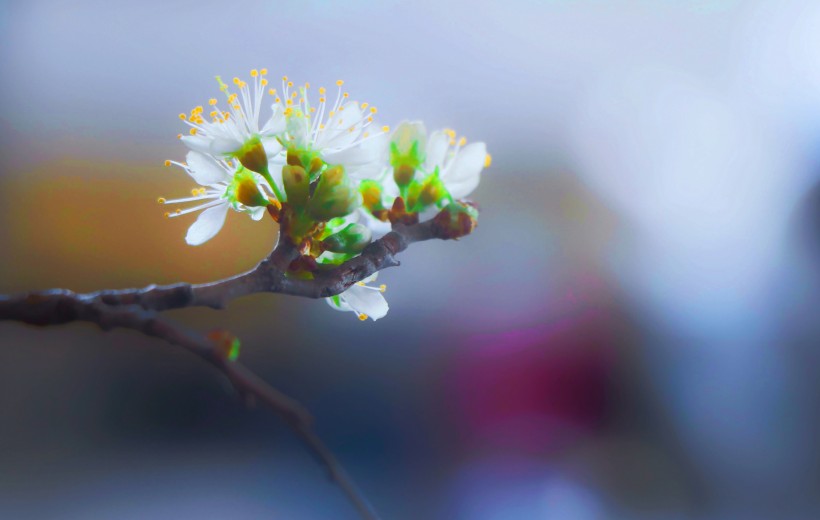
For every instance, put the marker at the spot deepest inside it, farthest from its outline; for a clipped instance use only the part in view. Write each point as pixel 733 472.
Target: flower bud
pixel 456 220
pixel 252 156
pixel 352 239
pixel 334 196
pixel 297 185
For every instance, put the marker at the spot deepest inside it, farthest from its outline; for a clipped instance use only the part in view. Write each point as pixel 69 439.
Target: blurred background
pixel 631 332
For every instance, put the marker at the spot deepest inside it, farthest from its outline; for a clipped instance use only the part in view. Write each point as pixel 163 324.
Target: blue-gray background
pixel 630 333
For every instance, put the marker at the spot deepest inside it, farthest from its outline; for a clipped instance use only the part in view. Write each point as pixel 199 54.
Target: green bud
pixel 352 239
pixel 334 196
pixel 297 185
pixel 252 156
pixel 456 220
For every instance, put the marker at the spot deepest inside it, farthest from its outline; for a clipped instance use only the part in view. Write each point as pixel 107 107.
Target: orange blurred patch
pixel 87 225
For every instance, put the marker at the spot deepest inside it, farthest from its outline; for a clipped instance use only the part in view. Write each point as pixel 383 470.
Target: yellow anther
pixel 284 78
pixel 166 215
pixel 263 82
pixel 182 116
pixel 312 110
pixel 488 160
pixel 301 100
pixel 351 129
pixel 322 90
pixel 263 72
pixel 167 162
pixel 212 101
pixel 277 100
pixel 161 200
pixel 254 73
pixel 237 107
pixel 288 111
pixel 362 317
pixel 289 102
pixel 339 83
pixel 195 192
pixel 321 126
pixel 179 136
pixel 294 94
pixel 382 288
pixel 365 134
pixel 321 100
pixel 193 131
pixel 226 115
pixel 345 95
pixel 385 128
pixel 462 141
pixel 365 105
pixel 237 81
pixel 177 211
pixel 290 83
pixel 331 113
pixel 373 110
pixel 369 119
pixel 232 98
pixel 272 92
pixel 452 142
pixel 307 85
pixel 361 284
pixel 450 132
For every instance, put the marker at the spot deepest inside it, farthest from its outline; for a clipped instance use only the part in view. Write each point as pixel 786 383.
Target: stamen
pixel 488 160
pixel 362 316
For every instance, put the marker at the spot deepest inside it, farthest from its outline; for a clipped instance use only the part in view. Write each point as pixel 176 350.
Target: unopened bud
pixel 352 239
pixel 334 197
pixel 456 220
pixel 252 156
pixel 297 185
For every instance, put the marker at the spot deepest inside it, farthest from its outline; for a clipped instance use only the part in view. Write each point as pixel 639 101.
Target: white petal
pixel 436 150
pixel 276 124
pixel 205 170
pixel 207 225
pixel 225 145
pixel 341 307
pixel 463 175
pixel 337 132
pixel 406 133
pixel 271 145
pixel 376 226
pixel 366 301
pixel 258 213
pixel 198 143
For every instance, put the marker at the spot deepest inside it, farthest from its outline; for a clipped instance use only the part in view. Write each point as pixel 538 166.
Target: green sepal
pixel 244 190
pixel 352 239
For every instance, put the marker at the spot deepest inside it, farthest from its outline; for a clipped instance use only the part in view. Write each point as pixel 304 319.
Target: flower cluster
pixel 326 171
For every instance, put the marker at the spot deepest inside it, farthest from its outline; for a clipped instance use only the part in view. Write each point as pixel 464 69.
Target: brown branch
pixel 138 309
